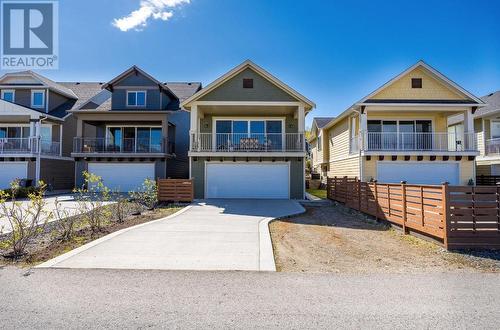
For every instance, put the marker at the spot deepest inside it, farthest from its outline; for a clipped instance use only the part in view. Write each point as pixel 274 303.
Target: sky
pixel 333 52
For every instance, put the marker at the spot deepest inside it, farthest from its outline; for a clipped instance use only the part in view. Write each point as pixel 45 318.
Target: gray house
pixel 133 129
pixel 36 129
pixel 247 137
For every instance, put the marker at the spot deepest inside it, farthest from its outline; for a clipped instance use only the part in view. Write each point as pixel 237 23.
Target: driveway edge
pixel 53 262
pixel 266 251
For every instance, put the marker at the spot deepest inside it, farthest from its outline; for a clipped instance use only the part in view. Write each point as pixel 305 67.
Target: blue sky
pixel 333 52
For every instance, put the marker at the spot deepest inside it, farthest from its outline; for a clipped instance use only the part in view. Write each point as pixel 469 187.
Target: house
pixel 400 132
pixel 133 129
pixel 487 125
pixel 36 130
pixel 318 142
pixel 247 137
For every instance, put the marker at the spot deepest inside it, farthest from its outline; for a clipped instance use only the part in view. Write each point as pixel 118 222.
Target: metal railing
pixel 31 145
pixel 120 146
pixel 445 142
pixel 225 142
pixel 492 146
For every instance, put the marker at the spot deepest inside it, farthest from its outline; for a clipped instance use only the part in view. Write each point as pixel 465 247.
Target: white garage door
pixel 123 176
pixel 10 171
pixel 247 180
pixel 418 172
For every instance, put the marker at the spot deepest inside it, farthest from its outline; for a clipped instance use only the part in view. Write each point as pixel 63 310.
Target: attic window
pixel 416 83
pixel 247 83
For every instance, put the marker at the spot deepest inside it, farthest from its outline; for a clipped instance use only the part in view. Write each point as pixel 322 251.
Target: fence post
pixel 359 195
pixel 346 196
pixel 403 200
pixel 446 212
pixel 376 199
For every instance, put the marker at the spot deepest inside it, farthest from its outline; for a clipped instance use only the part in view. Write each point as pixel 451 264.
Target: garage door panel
pixel 123 177
pixel 266 181
pixel 10 171
pixel 419 173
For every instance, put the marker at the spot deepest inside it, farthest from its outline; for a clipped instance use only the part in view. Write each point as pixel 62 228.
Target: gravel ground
pixel 96 299
pixel 337 239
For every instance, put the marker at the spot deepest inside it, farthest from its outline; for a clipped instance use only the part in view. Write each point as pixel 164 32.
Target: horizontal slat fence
pixel 175 190
pixel 487 180
pixel 460 217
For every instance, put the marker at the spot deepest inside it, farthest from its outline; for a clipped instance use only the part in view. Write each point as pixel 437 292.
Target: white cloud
pixel 149 9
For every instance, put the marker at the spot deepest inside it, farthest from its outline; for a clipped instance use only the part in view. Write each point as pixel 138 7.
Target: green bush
pixel 21 192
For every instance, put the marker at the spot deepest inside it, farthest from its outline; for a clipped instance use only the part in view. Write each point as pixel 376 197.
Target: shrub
pixel 66 222
pixel 122 206
pixel 91 199
pixel 147 195
pixel 25 220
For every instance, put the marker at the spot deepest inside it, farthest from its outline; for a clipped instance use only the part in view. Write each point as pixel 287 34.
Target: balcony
pixel 415 142
pixel 492 146
pixel 104 146
pixel 247 143
pixel 28 146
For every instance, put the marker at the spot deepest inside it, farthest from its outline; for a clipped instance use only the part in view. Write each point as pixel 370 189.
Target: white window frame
pixel 33 91
pixel 136 105
pixel 320 141
pixel 13 91
pixel 492 123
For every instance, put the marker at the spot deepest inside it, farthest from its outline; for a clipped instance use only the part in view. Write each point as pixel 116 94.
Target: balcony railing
pixel 121 146
pixel 441 142
pixel 492 146
pixel 32 145
pixel 224 143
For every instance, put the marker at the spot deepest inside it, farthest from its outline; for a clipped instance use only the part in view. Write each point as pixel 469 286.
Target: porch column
pixel 469 137
pixel 363 127
pixel 301 121
pixel 193 129
pixel 79 128
pixel 60 139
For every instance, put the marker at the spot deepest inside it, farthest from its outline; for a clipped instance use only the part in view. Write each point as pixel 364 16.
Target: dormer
pixel 136 90
pixel 31 90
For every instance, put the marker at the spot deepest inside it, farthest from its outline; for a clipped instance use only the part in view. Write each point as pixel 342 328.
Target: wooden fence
pixel 175 190
pixel 487 180
pixel 452 215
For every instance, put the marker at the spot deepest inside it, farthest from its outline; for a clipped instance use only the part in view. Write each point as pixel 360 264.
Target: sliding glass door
pixel 249 135
pixel 400 135
pixel 134 139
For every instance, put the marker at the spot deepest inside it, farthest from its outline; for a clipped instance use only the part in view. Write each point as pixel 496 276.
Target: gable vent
pixel 247 83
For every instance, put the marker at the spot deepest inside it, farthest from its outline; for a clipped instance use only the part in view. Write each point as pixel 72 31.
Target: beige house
pixel 401 132
pixel 247 137
pixel 487 126
pixel 318 143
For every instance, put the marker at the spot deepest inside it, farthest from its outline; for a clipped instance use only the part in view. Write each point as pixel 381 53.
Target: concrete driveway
pixel 208 235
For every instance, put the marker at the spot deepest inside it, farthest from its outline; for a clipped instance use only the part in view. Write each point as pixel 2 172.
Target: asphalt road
pixel 63 298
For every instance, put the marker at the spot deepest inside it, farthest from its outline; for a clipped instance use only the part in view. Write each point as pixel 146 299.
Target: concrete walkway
pixel 208 235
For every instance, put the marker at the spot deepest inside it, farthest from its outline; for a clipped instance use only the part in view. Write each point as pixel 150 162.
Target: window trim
pixel 33 92
pixel 135 92
pixel 13 91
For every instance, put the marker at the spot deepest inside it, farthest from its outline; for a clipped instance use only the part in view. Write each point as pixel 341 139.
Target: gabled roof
pixel 136 69
pixel 435 73
pixel 493 105
pixel 321 122
pixel 44 81
pixel 240 68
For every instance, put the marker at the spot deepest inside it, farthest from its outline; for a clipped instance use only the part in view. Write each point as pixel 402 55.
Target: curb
pixel 266 251
pixel 53 262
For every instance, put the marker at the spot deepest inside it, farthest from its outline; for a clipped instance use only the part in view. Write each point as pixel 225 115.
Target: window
pixel 37 99
pixel 9 95
pixel 134 139
pixel 247 83
pixel 255 134
pixel 136 98
pixel 416 83
pixel 320 141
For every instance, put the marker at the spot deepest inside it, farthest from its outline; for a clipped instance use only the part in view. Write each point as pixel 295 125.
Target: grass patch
pixel 320 193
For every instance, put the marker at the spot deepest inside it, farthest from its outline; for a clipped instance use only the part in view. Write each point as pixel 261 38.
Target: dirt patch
pixel 47 246
pixel 337 239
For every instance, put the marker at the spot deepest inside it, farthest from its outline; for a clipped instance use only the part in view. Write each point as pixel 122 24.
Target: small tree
pixel 122 206
pixel 26 221
pixel 147 195
pixel 66 222
pixel 91 199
